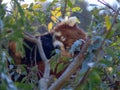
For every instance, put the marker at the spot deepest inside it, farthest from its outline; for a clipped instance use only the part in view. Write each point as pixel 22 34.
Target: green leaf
pixel 24 86
pixel 53 61
pixel 60 67
pixel 70 3
pixel 110 34
pixel 20 9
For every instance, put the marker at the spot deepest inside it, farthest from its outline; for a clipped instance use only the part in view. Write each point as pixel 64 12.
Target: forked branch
pixel 58 84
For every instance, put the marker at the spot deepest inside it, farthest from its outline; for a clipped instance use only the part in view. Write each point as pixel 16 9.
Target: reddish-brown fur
pixel 16 55
pixel 70 33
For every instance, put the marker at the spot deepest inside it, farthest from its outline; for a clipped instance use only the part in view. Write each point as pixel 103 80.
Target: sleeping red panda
pixel 63 35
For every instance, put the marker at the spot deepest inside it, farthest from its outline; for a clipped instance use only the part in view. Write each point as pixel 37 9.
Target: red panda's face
pixel 65 35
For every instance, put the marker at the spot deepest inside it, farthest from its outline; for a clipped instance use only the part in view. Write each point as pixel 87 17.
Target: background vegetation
pixel 101 65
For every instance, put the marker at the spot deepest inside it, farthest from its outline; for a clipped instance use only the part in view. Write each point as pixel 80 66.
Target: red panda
pixel 64 34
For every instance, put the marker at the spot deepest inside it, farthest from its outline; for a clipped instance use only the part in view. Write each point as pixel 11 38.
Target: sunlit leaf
pixel 75 9
pixel 53 13
pixel 68 13
pixel 54 19
pixel 50 25
pixel 78 21
pixel 36 6
pixel 42 0
pixel 24 5
pixel 58 14
pixel 58 8
pixel 107 22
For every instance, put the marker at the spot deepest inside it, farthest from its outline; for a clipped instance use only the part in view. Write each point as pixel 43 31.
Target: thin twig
pixel 106 4
pixel 108 77
pixel 64 11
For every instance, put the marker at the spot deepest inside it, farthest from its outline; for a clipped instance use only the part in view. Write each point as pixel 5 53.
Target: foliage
pixel 101 67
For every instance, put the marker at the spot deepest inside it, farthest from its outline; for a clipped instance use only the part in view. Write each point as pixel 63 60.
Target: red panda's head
pixel 67 32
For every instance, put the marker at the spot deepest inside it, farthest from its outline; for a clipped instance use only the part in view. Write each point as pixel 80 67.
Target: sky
pixel 96 1
pixel 25 2
pixel 89 1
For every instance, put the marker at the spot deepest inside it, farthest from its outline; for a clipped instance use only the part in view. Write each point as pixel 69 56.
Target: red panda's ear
pixel 70 21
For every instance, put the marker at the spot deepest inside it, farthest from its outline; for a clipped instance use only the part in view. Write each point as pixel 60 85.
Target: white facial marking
pixel 70 21
pixel 63 38
pixel 56 42
pixel 57 33
pixel 67 47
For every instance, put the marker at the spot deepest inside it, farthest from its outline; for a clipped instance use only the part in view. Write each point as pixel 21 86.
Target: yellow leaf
pixel 36 6
pixel 42 0
pixel 107 22
pixel 78 21
pixel 75 9
pixel 50 25
pixel 68 13
pixel 56 11
pixel 58 14
pixel 24 5
pixel 58 8
pixel 54 19
pixel 53 13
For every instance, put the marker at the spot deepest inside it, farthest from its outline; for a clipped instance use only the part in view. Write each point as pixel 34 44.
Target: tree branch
pixel 107 5
pixel 43 83
pixel 71 68
pixel 98 50
pixel 64 11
